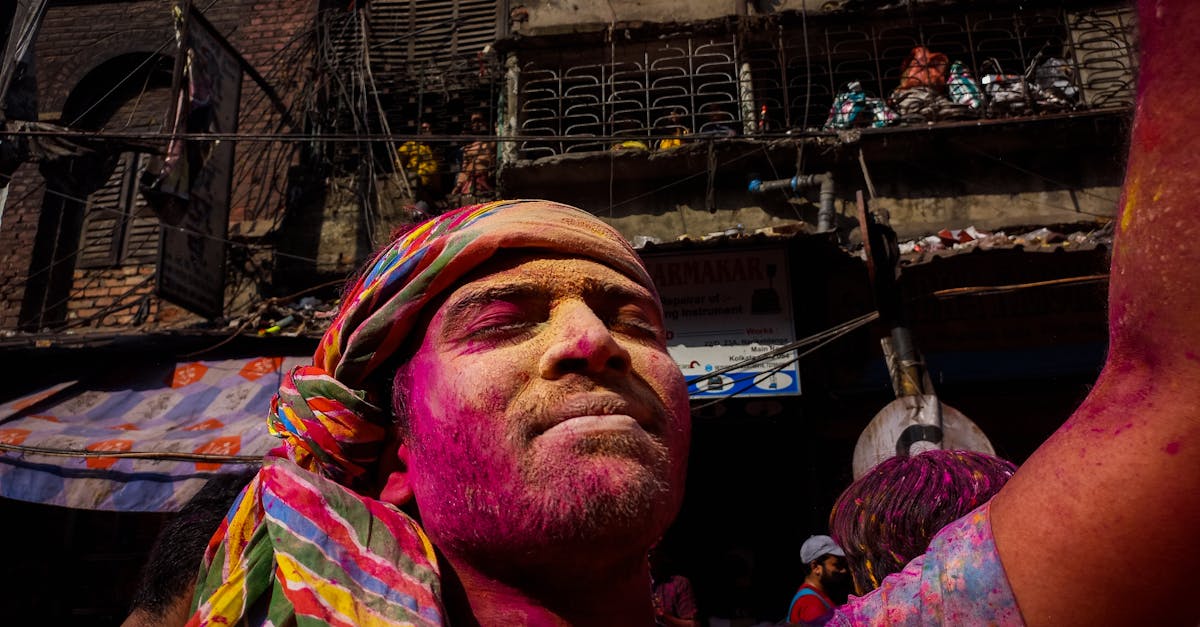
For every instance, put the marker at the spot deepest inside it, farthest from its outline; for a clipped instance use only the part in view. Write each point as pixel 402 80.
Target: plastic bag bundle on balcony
pixel 963 88
pixel 1048 86
pixel 854 108
pixel 1006 93
pixel 923 68
pixel 917 104
pixel 928 92
pixel 1054 85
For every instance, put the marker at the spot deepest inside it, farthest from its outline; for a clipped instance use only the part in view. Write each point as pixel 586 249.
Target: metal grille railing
pixel 681 87
pixel 799 72
pixel 1103 41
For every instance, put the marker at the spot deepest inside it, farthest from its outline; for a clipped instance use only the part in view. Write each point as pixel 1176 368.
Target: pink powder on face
pixel 484 479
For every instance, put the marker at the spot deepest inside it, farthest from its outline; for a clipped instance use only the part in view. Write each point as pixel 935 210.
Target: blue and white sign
pixel 723 308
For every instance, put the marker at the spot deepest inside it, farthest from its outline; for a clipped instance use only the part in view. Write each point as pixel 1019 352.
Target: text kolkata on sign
pixel 724 308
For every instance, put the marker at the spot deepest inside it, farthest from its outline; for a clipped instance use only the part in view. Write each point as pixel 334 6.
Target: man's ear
pixel 396 487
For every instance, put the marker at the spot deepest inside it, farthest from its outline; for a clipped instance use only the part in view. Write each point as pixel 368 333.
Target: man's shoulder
pixel 958 581
pixel 809 604
pixel 808 594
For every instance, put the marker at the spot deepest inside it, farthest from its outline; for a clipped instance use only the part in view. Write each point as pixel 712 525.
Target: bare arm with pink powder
pixel 1099 527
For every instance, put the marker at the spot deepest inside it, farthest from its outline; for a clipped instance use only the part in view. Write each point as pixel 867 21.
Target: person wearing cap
pixel 825 567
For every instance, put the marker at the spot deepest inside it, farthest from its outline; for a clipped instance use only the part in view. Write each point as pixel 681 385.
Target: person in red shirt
pixel 826 564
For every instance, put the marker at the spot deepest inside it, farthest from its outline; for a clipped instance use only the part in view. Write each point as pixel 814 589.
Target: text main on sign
pixel 724 308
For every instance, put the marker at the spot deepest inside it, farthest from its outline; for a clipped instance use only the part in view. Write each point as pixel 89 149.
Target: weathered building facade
pixel 772 78
pixel 80 252
pixel 81 242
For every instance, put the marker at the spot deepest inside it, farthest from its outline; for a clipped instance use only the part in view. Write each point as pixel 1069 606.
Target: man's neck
pixel 815 582
pixel 619 596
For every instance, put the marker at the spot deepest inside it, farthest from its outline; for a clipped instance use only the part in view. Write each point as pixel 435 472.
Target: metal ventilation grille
pixel 408 34
pixel 395 64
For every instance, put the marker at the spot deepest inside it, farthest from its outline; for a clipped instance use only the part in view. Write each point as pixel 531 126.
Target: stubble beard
pixel 616 489
pixel 610 499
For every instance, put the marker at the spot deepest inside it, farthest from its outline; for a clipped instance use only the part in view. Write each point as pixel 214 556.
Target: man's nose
pixel 582 344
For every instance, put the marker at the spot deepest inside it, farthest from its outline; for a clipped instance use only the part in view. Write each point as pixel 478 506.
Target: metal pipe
pixel 826 212
pixel 908 364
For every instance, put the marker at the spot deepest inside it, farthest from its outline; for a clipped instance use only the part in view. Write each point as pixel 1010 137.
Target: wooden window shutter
pixel 104 221
pixel 141 233
pixel 118 226
pixel 477 26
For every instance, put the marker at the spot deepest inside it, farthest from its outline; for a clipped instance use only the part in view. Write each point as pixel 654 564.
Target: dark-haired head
pixel 888 516
pixel 169 575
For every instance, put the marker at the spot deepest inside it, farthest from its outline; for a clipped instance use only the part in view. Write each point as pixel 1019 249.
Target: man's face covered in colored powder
pixel 544 411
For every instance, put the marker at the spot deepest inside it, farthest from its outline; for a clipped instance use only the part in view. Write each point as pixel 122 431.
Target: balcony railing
pixel 681 87
pixel 1020 63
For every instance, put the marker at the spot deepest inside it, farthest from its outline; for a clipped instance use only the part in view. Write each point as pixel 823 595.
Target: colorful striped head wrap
pixel 328 421
pixel 307 542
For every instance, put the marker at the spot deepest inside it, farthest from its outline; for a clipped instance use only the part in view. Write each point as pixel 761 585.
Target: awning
pixel 141 438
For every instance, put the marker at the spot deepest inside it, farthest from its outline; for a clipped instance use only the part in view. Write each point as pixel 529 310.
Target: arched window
pixel 93 260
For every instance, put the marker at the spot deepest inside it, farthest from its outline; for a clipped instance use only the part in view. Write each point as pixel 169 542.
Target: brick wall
pixel 82 51
pixel 110 296
pixel 276 37
pixel 18 230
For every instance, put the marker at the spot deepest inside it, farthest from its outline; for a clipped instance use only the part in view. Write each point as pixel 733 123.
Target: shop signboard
pixel 199 173
pixel 723 308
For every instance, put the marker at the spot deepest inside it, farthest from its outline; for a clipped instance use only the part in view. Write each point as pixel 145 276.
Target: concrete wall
pixel 911 217
pixel 991 177
pixel 548 17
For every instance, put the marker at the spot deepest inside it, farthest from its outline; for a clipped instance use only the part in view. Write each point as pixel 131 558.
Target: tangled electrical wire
pixel 817 341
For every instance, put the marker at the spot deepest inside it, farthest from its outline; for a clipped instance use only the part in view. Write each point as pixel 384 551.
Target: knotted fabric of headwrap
pixel 306 542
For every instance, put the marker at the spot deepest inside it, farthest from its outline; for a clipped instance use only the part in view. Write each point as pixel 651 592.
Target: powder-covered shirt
pixel 958 581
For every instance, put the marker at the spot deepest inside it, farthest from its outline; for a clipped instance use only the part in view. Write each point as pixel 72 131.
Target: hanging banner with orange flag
pixel 143 441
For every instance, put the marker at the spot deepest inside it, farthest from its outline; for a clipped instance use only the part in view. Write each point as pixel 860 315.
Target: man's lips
pixel 593 424
pixel 592 411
